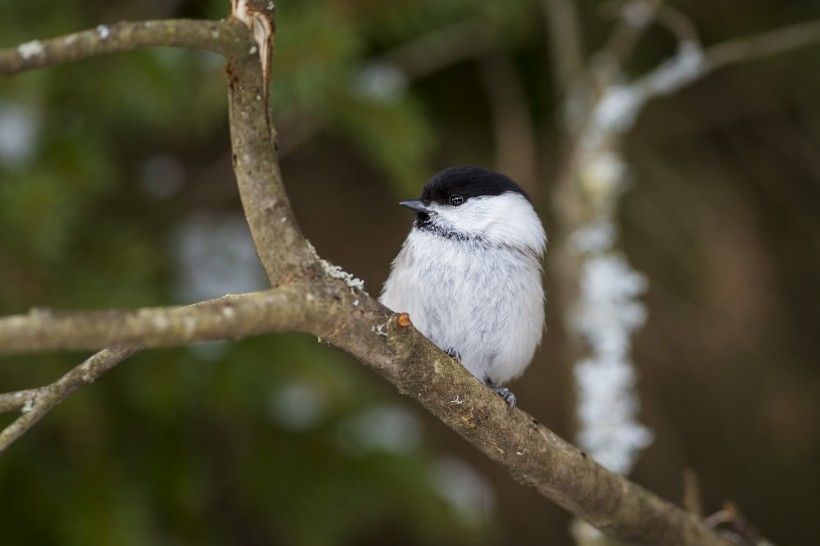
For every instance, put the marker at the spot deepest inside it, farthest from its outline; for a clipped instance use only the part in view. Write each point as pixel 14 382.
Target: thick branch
pixel 354 322
pixel 290 307
pixel 283 250
pixel 227 37
pixel 533 455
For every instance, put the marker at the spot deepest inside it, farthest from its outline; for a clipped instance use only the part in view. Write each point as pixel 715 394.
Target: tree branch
pixel 287 308
pixel 762 45
pixel 387 343
pixel 228 37
pixel 440 48
pixel 37 402
pixel 632 17
pixel 283 250
pixel 534 456
pixel 677 23
pixel 313 296
pixel 14 401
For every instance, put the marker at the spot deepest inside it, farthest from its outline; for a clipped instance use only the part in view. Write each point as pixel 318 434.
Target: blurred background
pixel 116 190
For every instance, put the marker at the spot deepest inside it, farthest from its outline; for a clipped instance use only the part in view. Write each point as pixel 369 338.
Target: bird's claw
pixel 453 352
pixel 503 392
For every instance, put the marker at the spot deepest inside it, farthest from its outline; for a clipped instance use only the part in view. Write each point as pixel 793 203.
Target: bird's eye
pixel 456 200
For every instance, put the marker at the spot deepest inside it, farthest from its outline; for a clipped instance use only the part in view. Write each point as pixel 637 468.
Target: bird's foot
pixel 453 352
pixel 503 392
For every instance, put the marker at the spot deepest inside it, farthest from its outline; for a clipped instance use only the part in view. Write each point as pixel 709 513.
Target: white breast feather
pixel 482 296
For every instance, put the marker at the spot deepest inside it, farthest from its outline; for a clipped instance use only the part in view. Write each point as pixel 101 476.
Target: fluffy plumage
pixel 469 272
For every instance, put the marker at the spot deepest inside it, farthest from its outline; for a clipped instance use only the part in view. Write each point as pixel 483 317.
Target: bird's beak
pixel 416 205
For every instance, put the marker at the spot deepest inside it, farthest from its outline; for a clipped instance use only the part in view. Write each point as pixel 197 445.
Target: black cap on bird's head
pixel 456 185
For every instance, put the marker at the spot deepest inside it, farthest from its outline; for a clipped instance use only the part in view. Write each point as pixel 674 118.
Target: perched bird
pixel 469 273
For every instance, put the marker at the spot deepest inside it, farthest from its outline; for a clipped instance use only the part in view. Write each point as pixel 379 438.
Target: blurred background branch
pixel 600 289
pixel 764 44
pixel 566 43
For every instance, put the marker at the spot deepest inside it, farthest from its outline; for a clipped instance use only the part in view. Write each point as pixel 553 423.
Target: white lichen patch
pixel 595 237
pixel 685 67
pixel 162 323
pixel 609 312
pixel 379 329
pixel 622 102
pixel 618 108
pixel 27 406
pixel 338 273
pixel 103 32
pixel 30 50
pixel 189 323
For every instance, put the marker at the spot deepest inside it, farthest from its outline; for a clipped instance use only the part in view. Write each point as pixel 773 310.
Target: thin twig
pixel 41 401
pixel 762 45
pixel 440 48
pixel 677 23
pixel 16 400
pixel 632 18
pixel 692 63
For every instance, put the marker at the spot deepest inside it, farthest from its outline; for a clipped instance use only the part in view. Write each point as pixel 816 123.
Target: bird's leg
pixel 503 392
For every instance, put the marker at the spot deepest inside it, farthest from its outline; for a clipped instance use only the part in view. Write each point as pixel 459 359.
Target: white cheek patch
pixel 506 219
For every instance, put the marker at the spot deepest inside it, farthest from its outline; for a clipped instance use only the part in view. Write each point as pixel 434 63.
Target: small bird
pixel 469 273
